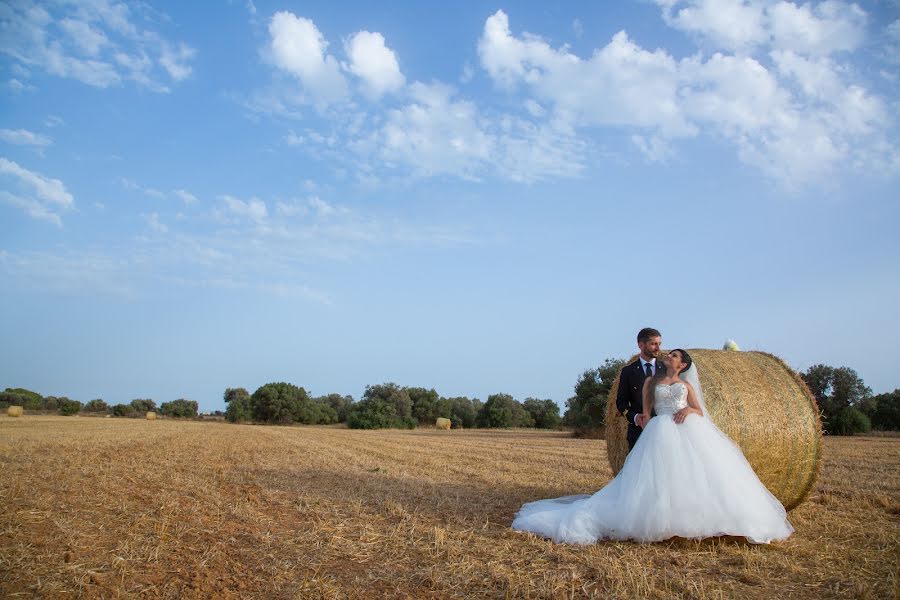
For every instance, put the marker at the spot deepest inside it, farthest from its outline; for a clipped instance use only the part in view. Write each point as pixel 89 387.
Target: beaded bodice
pixel 670 398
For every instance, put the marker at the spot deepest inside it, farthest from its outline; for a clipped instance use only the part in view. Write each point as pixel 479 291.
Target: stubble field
pixel 116 507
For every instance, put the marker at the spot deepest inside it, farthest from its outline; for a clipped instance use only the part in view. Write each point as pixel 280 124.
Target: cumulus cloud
pixel 23 137
pixel 39 196
pixel 298 47
pixel 742 25
pixel 374 63
pixel 101 43
pixel 790 111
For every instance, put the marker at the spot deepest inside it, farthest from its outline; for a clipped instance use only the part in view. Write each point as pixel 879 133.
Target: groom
pixel 631 382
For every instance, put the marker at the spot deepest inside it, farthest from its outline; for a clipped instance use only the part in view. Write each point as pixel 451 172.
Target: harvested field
pixel 121 507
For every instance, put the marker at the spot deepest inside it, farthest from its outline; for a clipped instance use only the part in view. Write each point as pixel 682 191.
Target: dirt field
pixel 116 507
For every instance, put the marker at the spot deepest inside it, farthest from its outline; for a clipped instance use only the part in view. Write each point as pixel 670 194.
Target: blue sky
pixel 474 197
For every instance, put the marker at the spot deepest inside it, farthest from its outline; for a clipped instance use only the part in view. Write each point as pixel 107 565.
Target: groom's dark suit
pixel 629 400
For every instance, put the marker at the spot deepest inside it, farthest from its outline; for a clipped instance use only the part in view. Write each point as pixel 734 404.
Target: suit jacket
pixel 629 400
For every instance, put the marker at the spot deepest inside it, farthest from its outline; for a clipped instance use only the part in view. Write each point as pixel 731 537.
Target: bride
pixel 683 478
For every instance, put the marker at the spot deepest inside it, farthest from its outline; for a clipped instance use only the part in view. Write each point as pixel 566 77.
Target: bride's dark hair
pixel 662 372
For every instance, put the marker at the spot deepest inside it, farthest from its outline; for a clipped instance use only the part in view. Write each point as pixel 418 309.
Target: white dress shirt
pixel 644 363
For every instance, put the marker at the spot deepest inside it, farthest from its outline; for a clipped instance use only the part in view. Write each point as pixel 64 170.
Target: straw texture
pixel 761 404
pixel 442 423
pixel 14 411
pixel 151 416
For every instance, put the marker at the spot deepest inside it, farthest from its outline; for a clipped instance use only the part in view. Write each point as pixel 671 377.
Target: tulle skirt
pixel 687 480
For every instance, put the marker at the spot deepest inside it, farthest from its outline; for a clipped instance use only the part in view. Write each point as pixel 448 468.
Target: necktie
pixel 649 369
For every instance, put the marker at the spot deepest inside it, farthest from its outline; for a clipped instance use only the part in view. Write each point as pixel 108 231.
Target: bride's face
pixel 673 361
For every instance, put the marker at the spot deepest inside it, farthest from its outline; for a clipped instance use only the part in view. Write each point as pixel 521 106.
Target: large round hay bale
pixel 442 423
pixel 761 404
pixel 14 411
pixel 151 416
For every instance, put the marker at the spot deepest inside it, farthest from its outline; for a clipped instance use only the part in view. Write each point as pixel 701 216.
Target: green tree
pixel 587 408
pixel 8 399
pixel 425 404
pixel 463 412
pixel 849 421
pixel 836 389
pixel 544 413
pixel 883 411
pixel 502 410
pixel 143 405
pixel 386 405
pixel 123 410
pixel 340 405
pixel 238 401
pixel 50 403
pixel 179 408
pixel 27 399
pixel 281 403
pixel 96 405
pixel 68 407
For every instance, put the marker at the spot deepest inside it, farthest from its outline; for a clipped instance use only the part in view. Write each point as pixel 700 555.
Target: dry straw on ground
pixel 14 411
pixel 109 508
pixel 761 404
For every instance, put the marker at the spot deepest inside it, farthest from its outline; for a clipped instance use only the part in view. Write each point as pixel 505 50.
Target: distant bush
pixel 26 398
pixel 8 399
pixel 51 403
pixel 179 408
pixel 123 410
pixel 883 411
pixel 95 406
pixel 68 407
pixel 340 405
pixel 382 406
pixel 544 413
pixel 849 421
pixel 143 405
pixel 463 412
pixel 238 401
pixel 502 410
pixel 284 403
pixel 427 405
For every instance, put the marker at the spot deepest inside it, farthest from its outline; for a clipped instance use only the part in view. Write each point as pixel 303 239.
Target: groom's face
pixel 650 348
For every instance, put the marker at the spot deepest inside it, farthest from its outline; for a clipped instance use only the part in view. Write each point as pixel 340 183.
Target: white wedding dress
pixel 687 480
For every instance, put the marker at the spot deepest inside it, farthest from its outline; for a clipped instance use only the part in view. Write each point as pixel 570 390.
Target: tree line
pixel 846 403
pixel 385 405
pixel 138 407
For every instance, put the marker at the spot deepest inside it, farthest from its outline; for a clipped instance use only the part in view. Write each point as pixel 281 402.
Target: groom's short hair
pixel 646 333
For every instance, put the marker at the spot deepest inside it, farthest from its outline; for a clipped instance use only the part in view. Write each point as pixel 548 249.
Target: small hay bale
pixel 15 411
pixel 151 416
pixel 442 423
pixel 761 404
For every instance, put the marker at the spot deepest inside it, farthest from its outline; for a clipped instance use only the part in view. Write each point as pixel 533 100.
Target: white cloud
pixel 40 197
pixel 434 135
pixel 186 196
pixel 743 25
pixel 253 209
pixel 795 119
pixel 23 137
pixel 100 43
pixel 299 48
pixel 621 84
pixel 152 220
pixel 374 63
pixel 128 184
pixel 50 190
pixel 819 29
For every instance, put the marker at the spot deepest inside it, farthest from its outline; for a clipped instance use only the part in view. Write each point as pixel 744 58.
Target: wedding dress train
pixel 687 480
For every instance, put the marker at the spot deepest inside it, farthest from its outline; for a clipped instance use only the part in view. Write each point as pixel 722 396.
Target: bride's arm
pixel 692 407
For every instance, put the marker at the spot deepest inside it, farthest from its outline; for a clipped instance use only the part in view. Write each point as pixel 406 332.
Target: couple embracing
pixel 683 477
